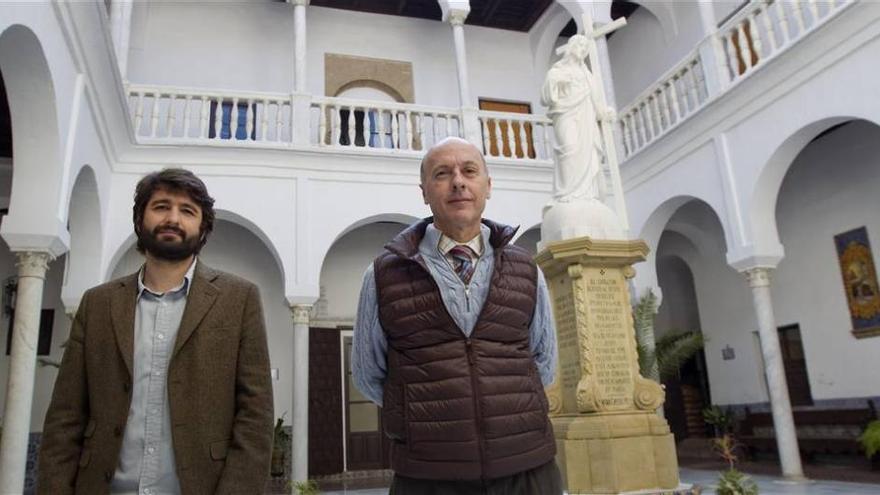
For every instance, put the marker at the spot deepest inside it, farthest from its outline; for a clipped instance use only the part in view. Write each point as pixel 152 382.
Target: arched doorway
pixel 344 426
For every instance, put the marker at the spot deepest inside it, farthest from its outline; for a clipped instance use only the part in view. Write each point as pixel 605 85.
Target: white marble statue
pixel 569 92
pixel 573 96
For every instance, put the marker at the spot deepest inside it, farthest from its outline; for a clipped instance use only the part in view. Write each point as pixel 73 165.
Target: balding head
pixel 456 184
pixel 450 141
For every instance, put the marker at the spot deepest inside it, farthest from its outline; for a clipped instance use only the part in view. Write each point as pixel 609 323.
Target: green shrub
pixel 721 419
pixel 308 487
pixel 733 482
pixel 870 438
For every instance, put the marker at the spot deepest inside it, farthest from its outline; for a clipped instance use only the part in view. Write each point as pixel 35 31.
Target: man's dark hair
pixel 175 180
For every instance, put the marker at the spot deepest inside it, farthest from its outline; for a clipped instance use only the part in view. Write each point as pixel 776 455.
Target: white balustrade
pixel 167 114
pixel 381 126
pixel 677 94
pixel 516 136
pixel 758 32
pixel 764 28
pixel 171 115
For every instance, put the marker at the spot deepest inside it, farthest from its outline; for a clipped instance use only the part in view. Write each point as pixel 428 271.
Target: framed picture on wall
pixel 859 281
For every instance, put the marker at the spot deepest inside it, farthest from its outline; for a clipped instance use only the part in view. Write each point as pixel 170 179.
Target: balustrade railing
pixel 374 125
pixel 757 33
pixel 516 136
pixel 763 28
pixel 208 116
pixel 677 94
pixel 162 114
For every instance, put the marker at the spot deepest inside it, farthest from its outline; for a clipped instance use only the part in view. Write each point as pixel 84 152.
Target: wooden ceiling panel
pixel 514 15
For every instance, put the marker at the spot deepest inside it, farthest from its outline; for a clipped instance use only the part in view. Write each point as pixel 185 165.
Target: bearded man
pixel 165 384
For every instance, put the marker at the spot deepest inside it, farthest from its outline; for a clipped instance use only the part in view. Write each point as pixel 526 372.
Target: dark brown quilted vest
pixel 461 408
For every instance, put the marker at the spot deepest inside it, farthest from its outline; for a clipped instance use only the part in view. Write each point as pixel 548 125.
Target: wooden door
pixel 795 364
pixel 494 127
pixel 325 402
pixel 365 442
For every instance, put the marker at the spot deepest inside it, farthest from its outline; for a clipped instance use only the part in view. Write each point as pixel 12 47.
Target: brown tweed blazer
pixel 219 391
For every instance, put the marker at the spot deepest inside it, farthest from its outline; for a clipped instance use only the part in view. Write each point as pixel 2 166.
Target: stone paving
pixel 767 485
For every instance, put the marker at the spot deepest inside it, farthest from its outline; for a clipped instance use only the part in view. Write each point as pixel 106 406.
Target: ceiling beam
pixel 537 11
pixel 490 10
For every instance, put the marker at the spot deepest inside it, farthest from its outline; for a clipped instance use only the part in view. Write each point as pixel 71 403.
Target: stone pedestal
pixel 609 438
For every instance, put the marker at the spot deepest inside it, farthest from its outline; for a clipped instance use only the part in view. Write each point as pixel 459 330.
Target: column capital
pixel 304 3
pixel 301 313
pixel 33 263
pixel 457 17
pixel 455 11
pixel 759 276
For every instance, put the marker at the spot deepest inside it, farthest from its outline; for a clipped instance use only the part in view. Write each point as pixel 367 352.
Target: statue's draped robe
pixel 567 93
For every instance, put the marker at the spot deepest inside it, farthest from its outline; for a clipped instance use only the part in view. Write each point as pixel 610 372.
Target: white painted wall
pixel 724 306
pixel 641 52
pixel 343 269
pixel 678 310
pixel 830 188
pixel 224 45
pixel 250 47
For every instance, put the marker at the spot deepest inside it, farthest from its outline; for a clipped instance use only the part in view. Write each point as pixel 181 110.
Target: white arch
pixel 400 218
pixel 85 227
pixel 652 229
pixel 36 181
pixel 232 217
pixel 763 198
pixel 543 38
pixel 601 12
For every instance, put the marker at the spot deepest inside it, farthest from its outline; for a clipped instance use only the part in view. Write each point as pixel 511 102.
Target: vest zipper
pixel 478 419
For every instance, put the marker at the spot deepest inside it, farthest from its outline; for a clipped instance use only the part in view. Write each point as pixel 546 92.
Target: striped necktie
pixel 464 262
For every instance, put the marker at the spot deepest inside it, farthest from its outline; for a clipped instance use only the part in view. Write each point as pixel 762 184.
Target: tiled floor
pixel 767 485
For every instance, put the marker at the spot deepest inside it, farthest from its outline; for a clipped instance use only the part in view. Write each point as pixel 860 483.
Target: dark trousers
pixel 542 480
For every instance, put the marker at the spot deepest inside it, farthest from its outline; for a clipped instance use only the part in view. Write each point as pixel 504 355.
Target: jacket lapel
pixel 200 299
pixel 122 306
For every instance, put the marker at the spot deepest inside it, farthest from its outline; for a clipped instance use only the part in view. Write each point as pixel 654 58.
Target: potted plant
pixel 280 448
pixel 870 440
pixel 732 481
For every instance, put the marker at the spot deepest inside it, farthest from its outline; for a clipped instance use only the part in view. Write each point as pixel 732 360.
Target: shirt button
pixel 154 410
pixel 157 373
pixel 161 336
pixel 150 450
pixel 148 491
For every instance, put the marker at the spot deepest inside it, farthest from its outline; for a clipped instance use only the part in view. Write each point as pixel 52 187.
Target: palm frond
pixel 674 349
pixel 643 321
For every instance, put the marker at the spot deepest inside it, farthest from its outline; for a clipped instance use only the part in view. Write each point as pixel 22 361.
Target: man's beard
pixel 176 250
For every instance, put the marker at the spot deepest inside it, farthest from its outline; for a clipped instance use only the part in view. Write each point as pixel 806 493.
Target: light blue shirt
pixel 146 460
pixel 464 303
